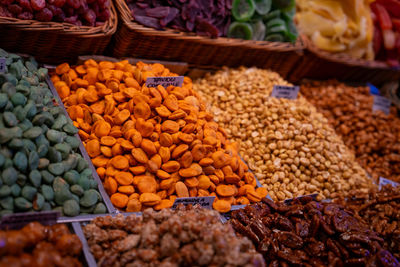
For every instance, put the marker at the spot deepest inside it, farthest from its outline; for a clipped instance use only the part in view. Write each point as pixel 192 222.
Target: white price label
pixel 3 66
pixel 288 92
pixel 204 202
pixel 384 181
pixel 381 103
pixel 164 81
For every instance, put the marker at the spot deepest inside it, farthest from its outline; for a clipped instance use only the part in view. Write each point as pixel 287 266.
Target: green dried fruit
pixel 71 162
pixel 77 190
pixel 28 192
pixel 70 129
pixel 54 136
pixel 43 118
pixel 42 140
pixel 59 122
pixel 21 179
pixel 93 184
pixel 10 119
pixel 2 159
pixel 28 145
pixel 16 144
pixel 46 206
pixel 30 109
pixel 84 182
pixel 87 210
pixel 100 209
pixel 86 172
pixel 3 100
pixel 23 89
pixel 43 163
pixel 54 155
pixel 18 99
pixel 25 125
pixel 61 191
pixel 64 149
pixel 72 141
pixel 22 204
pixel 71 208
pixel 33 160
pixel 45 128
pixel 20 113
pixel 42 73
pixel 89 198
pixel 8 163
pixel 9 106
pixel 75 197
pixel 42 151
pixel 48 178
pixel 72 177
pixel 7 203
pixel 6 134
pixel 35 178
pixel 38 202
pixel 5 212
pixel 9 176
pixel 30 66
pixel 15 190
pixel 5 191
pixel 55 111
pixel 56 168
pixel 33 132
pixel 82 164
pixel 34 80
pixel 47 191
pixel 10 79
pixel 20 161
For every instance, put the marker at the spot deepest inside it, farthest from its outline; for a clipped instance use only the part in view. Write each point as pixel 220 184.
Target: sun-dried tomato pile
pixel 309 233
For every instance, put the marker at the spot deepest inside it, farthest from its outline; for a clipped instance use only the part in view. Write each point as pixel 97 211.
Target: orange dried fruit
pixel 122 116
pixel 166 140
pixel 134 205
pixel 108 140
pixel 110 185
pixel 191 182
pixel 147 184
pixel 126 189
pixel 171 166
pixel 93 148
pixel 142 110
pixel 119 200
pixel 120 162
pixel 139 155
pixel 222 205
pixel 149 199
pixel 124 178
pixel 181 190
pixel 138 170
pixel 225 190
pixel 262 192
pixel 164 204
pixel 148 147
pixel 170 127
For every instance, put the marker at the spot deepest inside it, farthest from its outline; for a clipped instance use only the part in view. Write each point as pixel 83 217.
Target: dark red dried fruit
pixel 15 9
pixel 44 15
pixel 38 4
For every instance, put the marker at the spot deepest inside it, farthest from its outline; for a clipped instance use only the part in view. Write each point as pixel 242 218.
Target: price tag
pixel 381 103
pixel 313 196
pixel 373 90
pixel 3 65
pixel 384 181
pixel 204 202
pixel 164 81
pixel 288 92
pixel 19 220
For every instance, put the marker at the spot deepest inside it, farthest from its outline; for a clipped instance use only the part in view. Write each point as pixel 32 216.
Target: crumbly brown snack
pixel 38 245
pixel 374 136
pixel 184 237
pixel 310 233
pixel 290 147
pixel 380 209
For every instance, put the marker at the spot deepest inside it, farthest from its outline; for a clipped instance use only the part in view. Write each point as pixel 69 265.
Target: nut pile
pixel 184 237
pixel 287 143
pixel 38 245
pixel 151 145
pixel 380 209
pixel 40 165
pixel 309 233
pixel 374 136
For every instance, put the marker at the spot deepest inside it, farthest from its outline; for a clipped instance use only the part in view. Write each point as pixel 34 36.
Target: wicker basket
pixel 321 65
pixel 53 42
pixel 135 40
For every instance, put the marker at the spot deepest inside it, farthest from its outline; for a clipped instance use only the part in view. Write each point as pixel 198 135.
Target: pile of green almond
pixel 40 165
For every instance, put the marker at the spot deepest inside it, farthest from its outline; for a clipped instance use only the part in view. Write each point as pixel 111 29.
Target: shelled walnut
pixel 185 237
pixel 289 145
pixel 374 136
pixel 310 233
pixel 380 209
pixel 38 245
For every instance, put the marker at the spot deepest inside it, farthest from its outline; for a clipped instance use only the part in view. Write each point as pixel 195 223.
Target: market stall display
pixel 337 26
pixel 373 136
pixel 291 148
pixel 380 210
pixel 39 158
pixel 263 20
pixel 184 237
pixel 38 245
pixel 89 13
pixel 151 145
pixel 307 232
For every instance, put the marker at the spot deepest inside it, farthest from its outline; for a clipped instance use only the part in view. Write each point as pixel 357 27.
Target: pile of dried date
pixel 183 237
pixel 310 233
pixel 380 209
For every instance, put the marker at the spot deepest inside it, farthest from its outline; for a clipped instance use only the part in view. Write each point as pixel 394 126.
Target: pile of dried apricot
pixel 152 145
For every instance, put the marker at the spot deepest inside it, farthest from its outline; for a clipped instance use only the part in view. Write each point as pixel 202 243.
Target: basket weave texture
pixel 135 40
pixel 54 42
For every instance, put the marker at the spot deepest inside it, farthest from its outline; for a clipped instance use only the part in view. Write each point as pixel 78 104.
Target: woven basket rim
pixel 344 58
pixel 108 28
pixel 127 20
